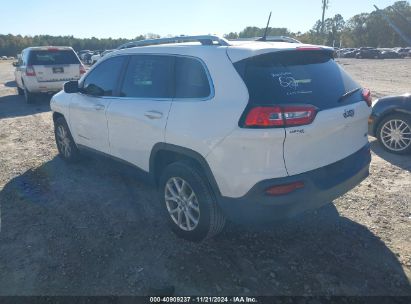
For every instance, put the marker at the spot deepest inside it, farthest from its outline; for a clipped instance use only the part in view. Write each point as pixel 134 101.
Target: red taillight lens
pixel 366 94
pixel 280 116
pixel 82 69
pixel 264 117
pixel 284 189
pixel 30 71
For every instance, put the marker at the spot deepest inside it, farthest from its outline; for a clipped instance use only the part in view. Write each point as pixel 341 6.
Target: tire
pixel 394 133
pixel 202 207
pixel 28 97
pixel 65 144
pixel 20 91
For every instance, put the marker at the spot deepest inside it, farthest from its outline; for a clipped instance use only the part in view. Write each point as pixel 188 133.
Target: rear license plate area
pixel 58 70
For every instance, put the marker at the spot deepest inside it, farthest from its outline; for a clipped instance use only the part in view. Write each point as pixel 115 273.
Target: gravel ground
pixel 94 228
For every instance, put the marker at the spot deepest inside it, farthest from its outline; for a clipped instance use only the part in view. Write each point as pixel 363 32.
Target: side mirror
pixel 15 64
pixel 71 87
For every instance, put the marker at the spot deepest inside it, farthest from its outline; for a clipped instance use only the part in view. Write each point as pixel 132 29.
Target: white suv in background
pixel 45 69
pixel 251 131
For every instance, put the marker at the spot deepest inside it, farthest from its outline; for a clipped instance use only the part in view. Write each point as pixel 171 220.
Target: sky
pixel 130 18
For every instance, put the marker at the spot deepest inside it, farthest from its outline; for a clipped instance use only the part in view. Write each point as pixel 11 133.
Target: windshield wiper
pixel 347 94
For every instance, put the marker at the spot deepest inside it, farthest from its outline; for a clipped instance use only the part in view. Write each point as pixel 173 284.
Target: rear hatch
pixel 55 64
pixel 297 78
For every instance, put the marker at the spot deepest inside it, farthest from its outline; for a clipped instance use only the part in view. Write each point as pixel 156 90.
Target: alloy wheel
pixel 182 204
pixel 396 135
pixel 63 141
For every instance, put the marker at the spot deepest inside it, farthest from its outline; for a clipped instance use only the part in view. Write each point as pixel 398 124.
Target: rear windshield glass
pixel 53 57
pixel 296 77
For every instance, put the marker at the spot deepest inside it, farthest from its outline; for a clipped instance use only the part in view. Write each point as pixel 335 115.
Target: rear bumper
pixel 322 186
pixel 35 86
pixel 45 87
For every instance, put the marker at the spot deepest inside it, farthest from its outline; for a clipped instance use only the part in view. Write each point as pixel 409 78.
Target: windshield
pixel 296 77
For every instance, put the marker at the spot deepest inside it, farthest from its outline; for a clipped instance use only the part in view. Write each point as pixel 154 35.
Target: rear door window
pixel 191 80
pixel 296 77
pixel 53 57
pixel 148 76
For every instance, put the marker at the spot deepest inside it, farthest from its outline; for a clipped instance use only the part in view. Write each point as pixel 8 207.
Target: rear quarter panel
pixel 201 124
pixel 246 157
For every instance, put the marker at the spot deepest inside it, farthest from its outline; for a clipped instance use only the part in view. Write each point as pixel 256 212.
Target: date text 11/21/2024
pixel 239 299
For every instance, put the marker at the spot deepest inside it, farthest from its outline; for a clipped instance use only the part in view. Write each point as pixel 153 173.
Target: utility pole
pixel 324 6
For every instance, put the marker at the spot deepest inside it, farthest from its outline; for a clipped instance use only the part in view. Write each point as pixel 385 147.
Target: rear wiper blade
pixel 349 93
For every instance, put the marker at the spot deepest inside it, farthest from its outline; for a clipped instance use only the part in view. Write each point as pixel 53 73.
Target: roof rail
pixel 203 39
pixel 269 39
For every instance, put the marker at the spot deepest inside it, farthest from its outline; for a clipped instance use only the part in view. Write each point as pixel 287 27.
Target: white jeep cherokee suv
pixel 45 69
pixel 249 131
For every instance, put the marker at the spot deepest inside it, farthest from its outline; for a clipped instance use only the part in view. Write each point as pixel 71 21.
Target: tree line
pixel 365 29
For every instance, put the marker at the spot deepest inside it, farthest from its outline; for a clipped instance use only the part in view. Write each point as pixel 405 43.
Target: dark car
pixel 350 54
pixel 390 55
pixel 390 123
pixel 403 52
pixel 368 54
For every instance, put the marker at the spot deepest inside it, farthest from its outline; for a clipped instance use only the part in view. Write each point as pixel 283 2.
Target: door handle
pixel 99 107
pixel 153 114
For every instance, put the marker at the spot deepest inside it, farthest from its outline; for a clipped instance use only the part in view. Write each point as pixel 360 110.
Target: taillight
pixel 30 71
pixel 264 117
pixel 284 189
pixel 82 69
pixel 366 94
pixel 280 116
